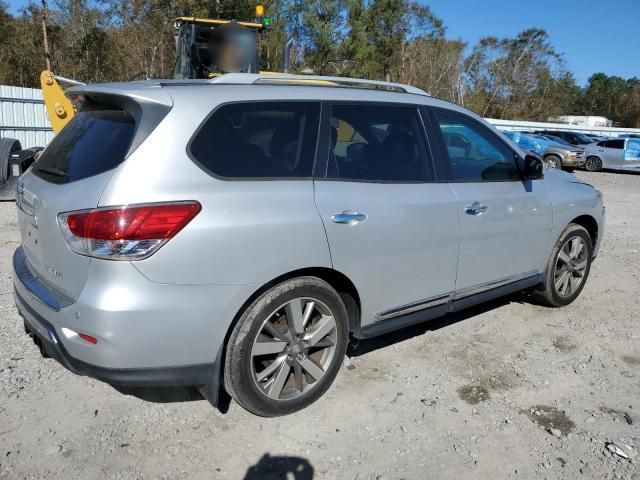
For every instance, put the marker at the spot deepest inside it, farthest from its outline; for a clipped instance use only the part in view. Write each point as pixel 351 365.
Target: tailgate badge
pixel 53 272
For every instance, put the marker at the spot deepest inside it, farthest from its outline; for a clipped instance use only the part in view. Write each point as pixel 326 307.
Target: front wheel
pixel 593 164
pixel 553 161
pixel 568 268
pixel 287 347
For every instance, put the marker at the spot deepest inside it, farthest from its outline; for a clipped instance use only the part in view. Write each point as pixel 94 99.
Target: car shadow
pixel 280 467
pixel 362 347
pixel 161 394
pixel 623 172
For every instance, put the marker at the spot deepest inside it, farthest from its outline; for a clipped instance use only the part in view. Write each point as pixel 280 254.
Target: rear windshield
pixel 94 141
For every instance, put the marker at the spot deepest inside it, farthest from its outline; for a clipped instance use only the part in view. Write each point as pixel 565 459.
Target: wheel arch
pixel 595 155
pixel 590 224
pixel 339 281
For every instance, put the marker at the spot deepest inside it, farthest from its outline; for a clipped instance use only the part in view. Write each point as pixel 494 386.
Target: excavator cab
pixel 206 48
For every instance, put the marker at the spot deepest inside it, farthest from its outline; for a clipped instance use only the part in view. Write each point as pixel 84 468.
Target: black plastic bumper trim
pixel 51 299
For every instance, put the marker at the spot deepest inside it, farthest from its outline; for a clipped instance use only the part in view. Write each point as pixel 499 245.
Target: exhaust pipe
pixel 287 55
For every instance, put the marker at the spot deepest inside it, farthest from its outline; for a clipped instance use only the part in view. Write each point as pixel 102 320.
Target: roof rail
pixel 313 80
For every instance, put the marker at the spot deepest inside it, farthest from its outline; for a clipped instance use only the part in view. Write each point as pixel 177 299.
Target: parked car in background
pixel 574 138
pixel 554 154
pixel 615 154
pixel 557 140
pixel 629 135
pixel 597 138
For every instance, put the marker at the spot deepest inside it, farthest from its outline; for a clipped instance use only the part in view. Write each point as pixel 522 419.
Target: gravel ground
pixel 507 390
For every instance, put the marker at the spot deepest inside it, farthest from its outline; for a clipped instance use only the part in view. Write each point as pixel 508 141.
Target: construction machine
pixel 205 48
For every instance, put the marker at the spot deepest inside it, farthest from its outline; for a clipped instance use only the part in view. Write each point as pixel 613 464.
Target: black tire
pixel 553 161
pixel 593 164
pixel 240 376
pixel 548 293
pixel 7 147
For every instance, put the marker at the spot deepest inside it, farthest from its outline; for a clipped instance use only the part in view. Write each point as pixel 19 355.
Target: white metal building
pixel 23 116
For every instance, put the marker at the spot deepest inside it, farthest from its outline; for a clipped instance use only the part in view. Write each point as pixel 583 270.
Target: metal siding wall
pixel 23 116
pixel 530 126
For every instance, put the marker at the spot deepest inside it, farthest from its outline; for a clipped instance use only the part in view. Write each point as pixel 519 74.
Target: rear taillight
pixel 130 232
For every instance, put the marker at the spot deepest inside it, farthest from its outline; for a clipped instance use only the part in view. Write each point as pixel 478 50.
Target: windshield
pixel 582 138
pixel 557 140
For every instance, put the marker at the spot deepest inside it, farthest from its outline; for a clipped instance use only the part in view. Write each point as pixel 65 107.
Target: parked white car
pixel 616 154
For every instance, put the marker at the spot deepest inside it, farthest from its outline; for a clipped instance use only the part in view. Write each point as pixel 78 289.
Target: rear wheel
pixel 568 268
pixel 287 347
pixel 553 161
pixel 593 164
pixel 7 147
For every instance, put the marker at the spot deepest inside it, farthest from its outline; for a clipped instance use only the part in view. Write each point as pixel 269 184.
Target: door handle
pixel 349 217
pixel 475 209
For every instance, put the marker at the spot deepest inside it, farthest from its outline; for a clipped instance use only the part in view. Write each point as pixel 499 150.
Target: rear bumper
pixel 50 345
pixel 148 334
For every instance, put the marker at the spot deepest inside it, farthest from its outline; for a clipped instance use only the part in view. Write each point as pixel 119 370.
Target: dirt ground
pixel 506 390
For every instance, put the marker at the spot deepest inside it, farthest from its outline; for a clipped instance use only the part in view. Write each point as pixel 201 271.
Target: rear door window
pixel 378 143
pixel 95 140
pixel 258 140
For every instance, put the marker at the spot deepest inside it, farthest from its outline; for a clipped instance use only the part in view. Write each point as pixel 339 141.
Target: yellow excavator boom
pixel 59 108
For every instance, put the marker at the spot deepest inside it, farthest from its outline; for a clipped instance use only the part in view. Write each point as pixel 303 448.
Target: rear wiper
pixel 52 171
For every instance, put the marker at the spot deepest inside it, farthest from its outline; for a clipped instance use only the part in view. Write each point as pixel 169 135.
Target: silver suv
pixel 235 233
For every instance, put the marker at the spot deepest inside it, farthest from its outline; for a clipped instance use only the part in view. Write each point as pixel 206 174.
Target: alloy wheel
pixel 294 348
pixel 593 164
pixel 553 162
pixel 571 266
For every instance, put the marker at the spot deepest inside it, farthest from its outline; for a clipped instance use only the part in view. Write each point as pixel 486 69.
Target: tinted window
pixel 619 144
pixel 571 137
pixel 94 141
pixel 262 139
pixel 378 143
pixel 475 153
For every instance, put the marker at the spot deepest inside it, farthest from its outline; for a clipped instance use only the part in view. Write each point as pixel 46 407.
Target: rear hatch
pixel 71 174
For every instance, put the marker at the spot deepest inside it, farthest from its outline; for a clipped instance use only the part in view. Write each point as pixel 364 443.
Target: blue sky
pixel 594 35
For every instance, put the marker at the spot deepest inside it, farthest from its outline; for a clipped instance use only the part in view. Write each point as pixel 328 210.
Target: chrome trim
pixel 475 209
pixel 414 307
pixel 349 217
pixel 451 297
pixel 483 287
pixel 34 286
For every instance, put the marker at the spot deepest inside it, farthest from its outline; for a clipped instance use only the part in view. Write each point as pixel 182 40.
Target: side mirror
pixel 533 168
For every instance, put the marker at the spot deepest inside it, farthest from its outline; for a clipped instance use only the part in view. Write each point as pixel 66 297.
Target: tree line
pixel 520 78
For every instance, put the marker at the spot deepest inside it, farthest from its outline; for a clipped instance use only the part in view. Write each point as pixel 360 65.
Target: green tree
pixel 322 31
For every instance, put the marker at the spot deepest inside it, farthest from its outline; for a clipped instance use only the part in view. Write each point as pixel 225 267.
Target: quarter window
pixel 475 154
pixel 378 143
pixel 259 140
